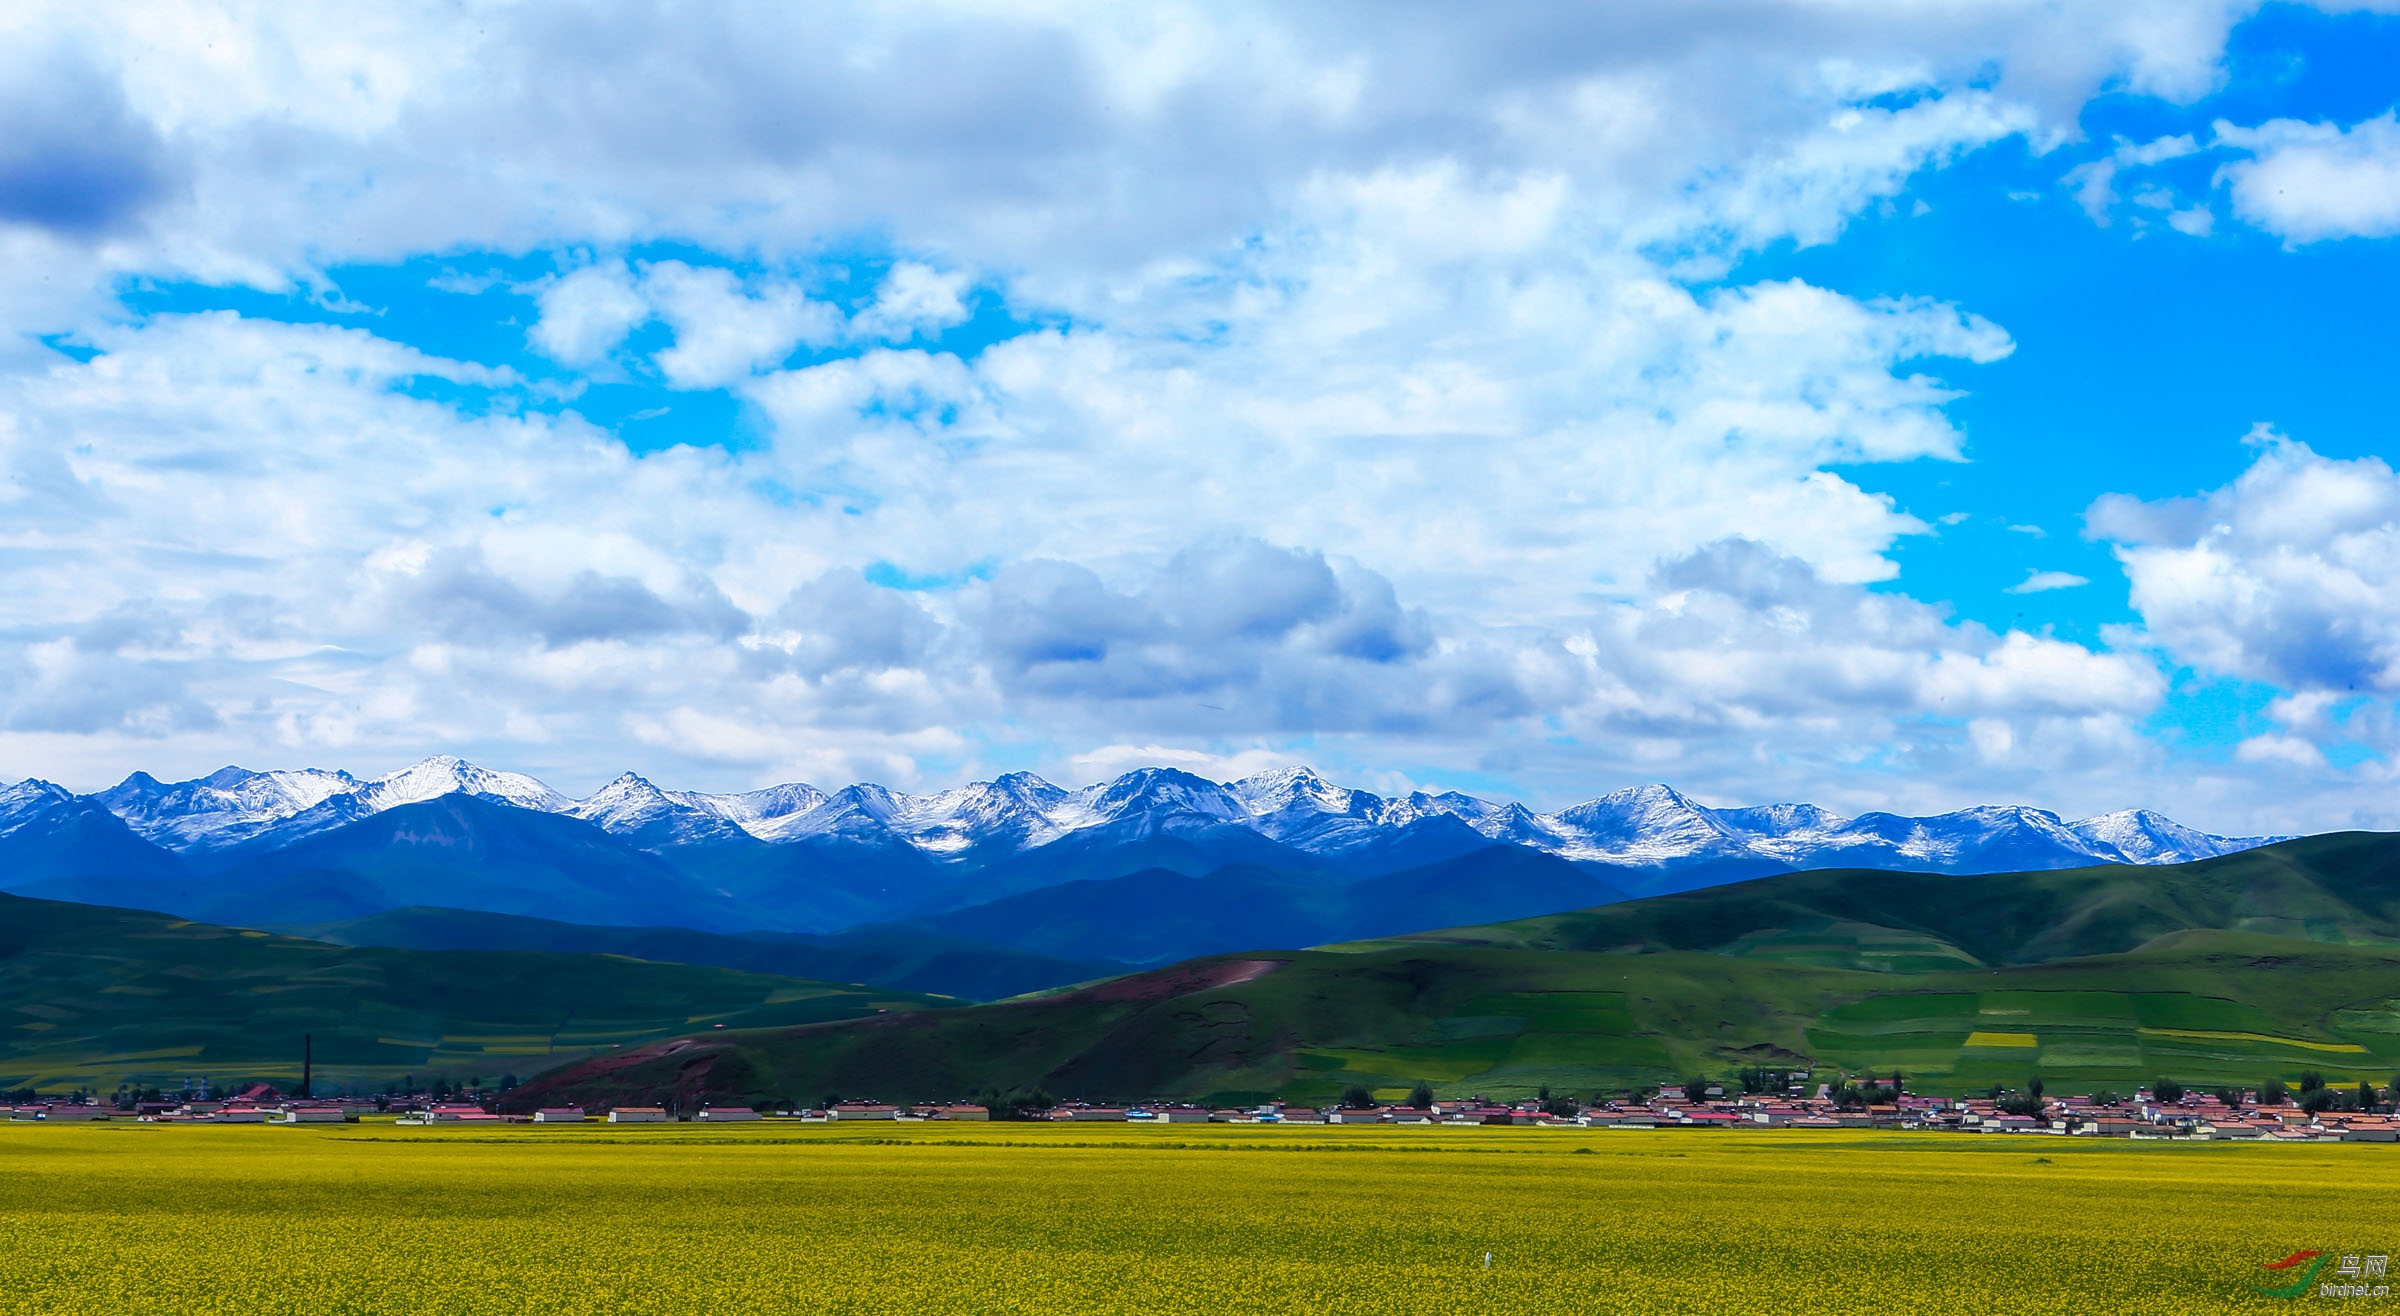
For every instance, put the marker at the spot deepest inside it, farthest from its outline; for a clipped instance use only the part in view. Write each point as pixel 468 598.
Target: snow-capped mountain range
pixel 1644 827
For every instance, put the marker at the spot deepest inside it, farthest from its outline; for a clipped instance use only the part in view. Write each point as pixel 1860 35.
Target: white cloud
pixel 2290 751
pixel 2290 575
pixel 1380 327
pixel 2309 182
pixel 586 313
pixel 2038 582
pixel 915 299
pixel 1110 760
pixel 2095 181
pixel 723 332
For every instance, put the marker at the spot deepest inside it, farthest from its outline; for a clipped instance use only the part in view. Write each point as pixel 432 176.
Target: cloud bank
pixel 1370 385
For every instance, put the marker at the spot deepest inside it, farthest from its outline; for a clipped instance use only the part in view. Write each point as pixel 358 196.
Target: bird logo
pixel 2312 1263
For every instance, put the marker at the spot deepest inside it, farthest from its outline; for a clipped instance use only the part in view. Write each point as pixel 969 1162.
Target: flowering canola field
pixel 1116 1219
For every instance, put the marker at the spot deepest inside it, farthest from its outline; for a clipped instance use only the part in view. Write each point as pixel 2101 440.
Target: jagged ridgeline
pixel 1285 857
pixel 2224 971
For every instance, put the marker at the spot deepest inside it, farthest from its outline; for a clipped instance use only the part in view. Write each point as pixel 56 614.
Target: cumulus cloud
pixel 915 299
pixel 2290 575
pixel 1385 394
pixel 1072 146
pixel 588 312
pixel 2309 182
pixel 76 159
pixel 2038 581
pixel 723 332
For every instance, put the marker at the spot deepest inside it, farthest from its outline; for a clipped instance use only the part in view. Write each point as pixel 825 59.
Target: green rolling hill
pixel 2342 888
pixel 2221 972
pixel 94 996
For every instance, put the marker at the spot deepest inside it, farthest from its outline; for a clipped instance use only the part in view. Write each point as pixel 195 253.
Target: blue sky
pixel 1897 411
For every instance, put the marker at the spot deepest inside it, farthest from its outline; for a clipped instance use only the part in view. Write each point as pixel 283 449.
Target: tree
pixel 1420 1097
pixel 2310 1081
pixel 2319 1099
pixel 1695 1088
pixel 2366 1095
pixel 2273 1092
pixel 1357 1097
pixel 2166 1090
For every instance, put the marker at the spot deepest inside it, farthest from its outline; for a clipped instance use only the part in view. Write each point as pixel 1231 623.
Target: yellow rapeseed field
pixel 248 1221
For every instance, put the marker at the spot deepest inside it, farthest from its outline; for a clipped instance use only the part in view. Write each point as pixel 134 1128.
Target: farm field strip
pixel 1040 1218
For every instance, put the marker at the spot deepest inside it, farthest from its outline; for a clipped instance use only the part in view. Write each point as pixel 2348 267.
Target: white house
pixel 638 1115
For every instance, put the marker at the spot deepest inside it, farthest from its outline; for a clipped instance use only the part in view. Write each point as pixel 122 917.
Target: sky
pixel 1879 404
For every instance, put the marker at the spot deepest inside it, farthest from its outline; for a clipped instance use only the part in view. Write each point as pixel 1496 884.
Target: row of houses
pixel 199 1112
pixel 2145 1116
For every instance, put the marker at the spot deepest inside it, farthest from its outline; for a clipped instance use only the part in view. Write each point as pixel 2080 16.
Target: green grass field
pixel 95 996
pixel 2207 1009
pixel 1120 1219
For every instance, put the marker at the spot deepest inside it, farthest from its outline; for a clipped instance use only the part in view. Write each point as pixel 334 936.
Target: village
pixel 2247 1116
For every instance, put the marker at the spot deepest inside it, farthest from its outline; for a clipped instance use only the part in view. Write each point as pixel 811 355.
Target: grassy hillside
pixel 96 995
pixel 2341 888
pixel 2205 1008
pixel 2222 972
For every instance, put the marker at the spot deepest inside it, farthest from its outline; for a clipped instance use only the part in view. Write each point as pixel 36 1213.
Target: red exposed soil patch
pixel 1181 980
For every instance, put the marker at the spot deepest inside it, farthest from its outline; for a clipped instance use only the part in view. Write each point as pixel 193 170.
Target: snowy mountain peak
pixel 633 808
pixel 29 799
pixel 1654 826
pixel 630 796
pixel 226 807
pixel 2147 838
pixel 446 774
pixel 1154 792
pixel 1299 788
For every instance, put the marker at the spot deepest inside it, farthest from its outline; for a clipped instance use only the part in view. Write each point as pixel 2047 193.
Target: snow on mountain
pixel 445 774
pixel 2149 838
pixel 770 814
pixel 631 807
pixel 1015 810
pixel 1644 825
pixel 1652 826
pixel 224 808
pixel 1765 820
pixel 29 800
pixel 1300 808
pixel 1156 794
